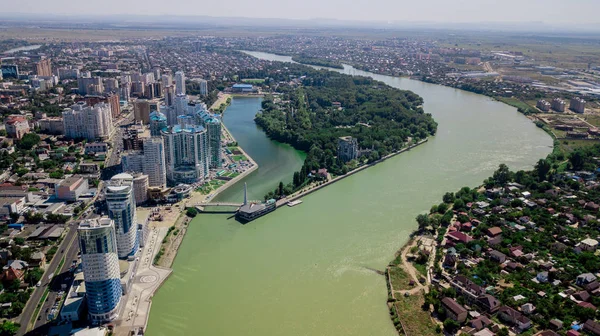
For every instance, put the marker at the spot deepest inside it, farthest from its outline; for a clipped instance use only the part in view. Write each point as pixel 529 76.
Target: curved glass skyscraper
pixel 121 209
pixel 98 245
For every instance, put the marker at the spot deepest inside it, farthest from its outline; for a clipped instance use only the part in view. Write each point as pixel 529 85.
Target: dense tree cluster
pixel 317 61
pixel 304 115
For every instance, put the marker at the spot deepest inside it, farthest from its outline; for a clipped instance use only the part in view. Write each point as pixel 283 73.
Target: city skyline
pixel 434 11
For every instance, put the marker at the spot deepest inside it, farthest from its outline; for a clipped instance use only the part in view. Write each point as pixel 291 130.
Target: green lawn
pixel 253 80
pixel 421 268
pixel 239 158
pixel 399 278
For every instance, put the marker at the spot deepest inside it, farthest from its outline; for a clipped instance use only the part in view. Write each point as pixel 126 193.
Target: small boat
pixel 294 203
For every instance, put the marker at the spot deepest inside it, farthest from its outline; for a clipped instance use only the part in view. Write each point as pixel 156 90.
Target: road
pixel 71 248
pixel 68 249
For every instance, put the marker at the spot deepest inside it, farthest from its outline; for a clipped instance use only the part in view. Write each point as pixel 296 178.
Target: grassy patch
pixel 568 146
pixel 516 103
pixel 253 80
pixel 421 268
pixel 414 319
pixel 239 158
pixel 399 278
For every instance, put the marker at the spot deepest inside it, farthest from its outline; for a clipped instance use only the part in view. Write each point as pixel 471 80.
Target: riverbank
pixel 310 189
pixel 339 230
pixel 166 239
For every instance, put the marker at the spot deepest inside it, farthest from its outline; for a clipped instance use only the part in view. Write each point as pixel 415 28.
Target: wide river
pixel 305 270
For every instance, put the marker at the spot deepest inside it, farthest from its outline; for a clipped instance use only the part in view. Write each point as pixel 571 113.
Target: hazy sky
pixel 548 11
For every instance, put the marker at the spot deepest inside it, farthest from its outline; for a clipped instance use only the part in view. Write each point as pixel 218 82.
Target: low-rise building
pixel 75 302
pixel 52 126
pixel 454 310
pixel 16 126
pixel 10 205
pixel 96 147
pixel 71 188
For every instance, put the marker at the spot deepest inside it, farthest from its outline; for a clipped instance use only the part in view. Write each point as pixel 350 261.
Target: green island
pixel 313 110
pixel 317 61
pixel 517 254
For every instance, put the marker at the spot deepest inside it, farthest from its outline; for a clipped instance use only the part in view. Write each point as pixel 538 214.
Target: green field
pixel 239 158
pixel 253 80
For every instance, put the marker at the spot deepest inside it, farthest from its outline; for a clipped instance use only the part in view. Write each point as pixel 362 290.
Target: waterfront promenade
pixel 136 305
pixel 310 189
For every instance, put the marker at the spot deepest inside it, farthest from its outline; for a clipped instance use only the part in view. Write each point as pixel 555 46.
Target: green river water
pixel 305 270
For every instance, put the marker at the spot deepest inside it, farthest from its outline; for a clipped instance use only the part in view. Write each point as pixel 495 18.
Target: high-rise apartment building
pixel 68 73
pixel 88 122
pixel 543 105
pixel 9 71
pixel 150 161
pixel 154 161
pixel 100 263
pixel 90 85
pixel 212 123
pixel 558 105
pixel 43 67
pixel 166 80
pixel 111 85
pixel 113 100
pixel 577 105
pixel 203 87
pixel 186 152
pixel 120 200
pixel 179 83
pixel 141 111
pixel 158 122
pixel 169 95
pixel 140 188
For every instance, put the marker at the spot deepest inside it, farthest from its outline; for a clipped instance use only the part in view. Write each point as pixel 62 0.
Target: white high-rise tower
pixel 179 83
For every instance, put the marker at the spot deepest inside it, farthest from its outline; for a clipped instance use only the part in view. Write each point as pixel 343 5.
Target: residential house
pixel 480 322
pixel 546 333
pixel 459 237
pixel 582 296
pixel 584 279
pixel 514 317
pixel 528 308
pixel 488 302
pixel 38 259
pixel 497 256
pixel 556 324
pixel 592 327
pixel 15 269
pixel 467 288
pixel 588 244
pixel 454 310
pixel 587 305
pixel 542 277
pixel 494 231
pixel 484 332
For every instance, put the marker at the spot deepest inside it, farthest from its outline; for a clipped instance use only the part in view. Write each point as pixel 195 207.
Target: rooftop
pixel 96 223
